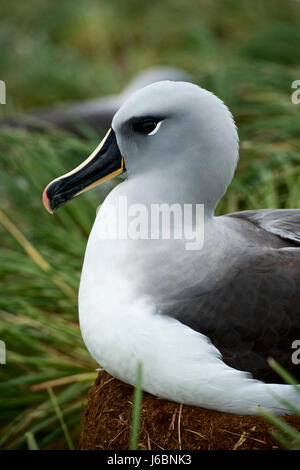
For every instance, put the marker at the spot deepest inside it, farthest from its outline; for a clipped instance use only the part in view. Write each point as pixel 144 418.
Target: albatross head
pixel 175 139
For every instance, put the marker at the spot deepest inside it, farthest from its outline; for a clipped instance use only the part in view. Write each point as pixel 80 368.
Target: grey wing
pixel 284 223
pixel 252 315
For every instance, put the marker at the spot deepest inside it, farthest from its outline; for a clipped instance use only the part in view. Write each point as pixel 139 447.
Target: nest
pixel 166 425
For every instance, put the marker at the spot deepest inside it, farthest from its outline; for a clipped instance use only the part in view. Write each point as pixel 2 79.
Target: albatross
pixel 203 322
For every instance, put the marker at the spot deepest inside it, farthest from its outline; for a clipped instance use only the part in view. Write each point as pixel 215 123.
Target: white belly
pixel 120 328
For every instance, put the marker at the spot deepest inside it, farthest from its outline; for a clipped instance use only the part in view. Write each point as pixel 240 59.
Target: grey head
pixel 180 136
pixel 177 142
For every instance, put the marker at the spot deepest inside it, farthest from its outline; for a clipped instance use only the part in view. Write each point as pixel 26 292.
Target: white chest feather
pixel 121 327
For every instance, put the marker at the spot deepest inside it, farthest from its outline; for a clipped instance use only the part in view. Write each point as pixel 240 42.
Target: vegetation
pixel 283 432
pixel 245 51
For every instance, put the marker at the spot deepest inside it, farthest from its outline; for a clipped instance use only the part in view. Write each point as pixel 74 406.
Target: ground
pixel 166 425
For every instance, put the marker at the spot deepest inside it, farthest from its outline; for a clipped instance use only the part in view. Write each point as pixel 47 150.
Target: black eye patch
pixel 145 125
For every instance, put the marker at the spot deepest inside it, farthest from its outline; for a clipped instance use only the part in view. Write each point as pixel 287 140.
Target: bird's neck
pixel 151 192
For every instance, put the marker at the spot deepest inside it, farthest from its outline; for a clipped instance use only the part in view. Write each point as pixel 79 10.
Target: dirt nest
pixel 166 425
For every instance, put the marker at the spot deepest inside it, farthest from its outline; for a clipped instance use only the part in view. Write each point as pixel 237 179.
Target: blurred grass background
pixel 245 51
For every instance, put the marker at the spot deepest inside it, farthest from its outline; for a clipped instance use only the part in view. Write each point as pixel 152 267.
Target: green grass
pixel 286 435
pixel 61 420
pixel 247 52
pixel 38 314
pixel 31 442
pixel 136 409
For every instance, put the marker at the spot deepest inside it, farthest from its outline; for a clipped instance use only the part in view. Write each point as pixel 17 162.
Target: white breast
pixel 121 327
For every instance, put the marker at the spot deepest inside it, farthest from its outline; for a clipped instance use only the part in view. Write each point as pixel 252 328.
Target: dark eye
pixel 145 126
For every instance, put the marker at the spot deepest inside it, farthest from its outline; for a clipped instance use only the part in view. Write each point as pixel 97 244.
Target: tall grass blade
pixel 31 442
pixel 284 433
pixel 136 411
pixel 61 419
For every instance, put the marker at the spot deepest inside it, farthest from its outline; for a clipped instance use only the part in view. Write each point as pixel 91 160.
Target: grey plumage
pixel 252 312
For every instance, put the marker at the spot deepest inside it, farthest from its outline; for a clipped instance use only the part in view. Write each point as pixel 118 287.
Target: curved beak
pixel 103 164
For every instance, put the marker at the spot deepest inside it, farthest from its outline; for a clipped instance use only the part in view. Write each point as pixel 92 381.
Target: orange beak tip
pixel 46 201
